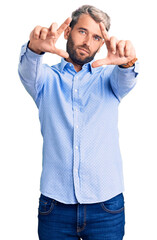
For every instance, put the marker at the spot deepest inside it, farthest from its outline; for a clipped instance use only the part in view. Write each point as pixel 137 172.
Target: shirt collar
pixel 88 65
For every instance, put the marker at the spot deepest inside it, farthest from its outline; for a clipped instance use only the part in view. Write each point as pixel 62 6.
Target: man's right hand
pixel 44 39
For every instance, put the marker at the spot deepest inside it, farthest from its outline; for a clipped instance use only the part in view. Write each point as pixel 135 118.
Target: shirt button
pixel 76 109
pixel 76 77
pixel 77 126
pixel 76 147
pixel 75 90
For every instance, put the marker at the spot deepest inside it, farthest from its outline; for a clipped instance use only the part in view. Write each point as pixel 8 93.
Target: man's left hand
pixel 119 52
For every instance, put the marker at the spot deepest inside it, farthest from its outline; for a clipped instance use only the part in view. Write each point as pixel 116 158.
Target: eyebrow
pixel 81 28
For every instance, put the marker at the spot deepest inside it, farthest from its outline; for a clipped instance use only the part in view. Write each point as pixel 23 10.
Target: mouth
pixel 83 50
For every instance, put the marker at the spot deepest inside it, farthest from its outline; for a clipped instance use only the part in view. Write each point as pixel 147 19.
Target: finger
pixel 43 33
pixel 36 32
pixel 104 32
pixel 128 48
pixel 121 48
pixel 53 29
pixel 113 45
pixel 64 26
pixel 100 62
pixel 61 53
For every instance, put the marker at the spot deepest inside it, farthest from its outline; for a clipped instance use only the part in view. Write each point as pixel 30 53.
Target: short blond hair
pixel 97 14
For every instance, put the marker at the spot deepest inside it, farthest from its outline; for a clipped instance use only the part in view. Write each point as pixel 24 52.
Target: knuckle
pixel 43 33
pixel 36 34
pixel 53 25
pixel 112 38
pixel 53 35
pixel 128 42
pixel 121 43
pixel 36 31
pixel 44 30
pixel 38 26
pixel 113 42
pixel 53 32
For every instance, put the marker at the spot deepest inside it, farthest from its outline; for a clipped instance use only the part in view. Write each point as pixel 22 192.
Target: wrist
pixel 129 64
pixel 34 49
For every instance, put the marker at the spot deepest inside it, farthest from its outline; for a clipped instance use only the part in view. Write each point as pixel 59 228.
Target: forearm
pixel 30 70
pixel 122 80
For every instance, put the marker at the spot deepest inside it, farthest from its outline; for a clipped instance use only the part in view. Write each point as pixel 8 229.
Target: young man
pixel 78 99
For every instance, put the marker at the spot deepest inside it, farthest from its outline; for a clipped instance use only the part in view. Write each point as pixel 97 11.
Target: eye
pixel 82 32
pixel 97 38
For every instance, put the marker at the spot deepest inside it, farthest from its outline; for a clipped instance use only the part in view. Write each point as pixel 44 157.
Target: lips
pixel 84 50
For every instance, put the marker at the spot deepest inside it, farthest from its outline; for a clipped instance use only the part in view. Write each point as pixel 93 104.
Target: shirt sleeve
pixel 31 71
pixel 122 80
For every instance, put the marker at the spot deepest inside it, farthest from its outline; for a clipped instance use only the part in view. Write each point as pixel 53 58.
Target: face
pixel 84 40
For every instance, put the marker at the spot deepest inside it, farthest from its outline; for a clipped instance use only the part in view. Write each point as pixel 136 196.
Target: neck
pixel 76 66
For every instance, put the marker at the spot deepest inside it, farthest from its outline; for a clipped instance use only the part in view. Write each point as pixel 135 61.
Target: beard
pixel 70 47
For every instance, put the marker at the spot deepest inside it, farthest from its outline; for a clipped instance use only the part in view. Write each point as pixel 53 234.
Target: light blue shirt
pixel 78 112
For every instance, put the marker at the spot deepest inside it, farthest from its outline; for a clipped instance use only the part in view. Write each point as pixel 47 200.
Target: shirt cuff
pixel 30 53
pixel 134 68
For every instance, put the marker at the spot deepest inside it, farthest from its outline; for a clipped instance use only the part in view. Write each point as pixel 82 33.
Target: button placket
pixel 76 137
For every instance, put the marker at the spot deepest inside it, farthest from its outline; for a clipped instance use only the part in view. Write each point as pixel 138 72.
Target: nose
pixel 87 40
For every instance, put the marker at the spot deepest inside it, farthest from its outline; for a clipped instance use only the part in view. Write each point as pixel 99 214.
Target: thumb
pixel 100 62
pixel 61 53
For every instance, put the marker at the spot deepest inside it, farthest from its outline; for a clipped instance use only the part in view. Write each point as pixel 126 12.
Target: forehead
pixel 85 21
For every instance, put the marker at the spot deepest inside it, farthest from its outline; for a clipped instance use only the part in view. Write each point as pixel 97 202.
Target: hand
pixel 44 39
pixel 119 52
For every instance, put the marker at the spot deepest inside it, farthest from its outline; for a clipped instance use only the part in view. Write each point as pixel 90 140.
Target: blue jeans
pixel 98 221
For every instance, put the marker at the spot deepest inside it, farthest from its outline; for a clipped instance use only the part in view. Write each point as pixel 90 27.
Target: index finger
pixel 64 25
pixel 104 32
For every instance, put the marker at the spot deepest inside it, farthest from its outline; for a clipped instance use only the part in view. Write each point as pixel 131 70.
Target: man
pixel 78 99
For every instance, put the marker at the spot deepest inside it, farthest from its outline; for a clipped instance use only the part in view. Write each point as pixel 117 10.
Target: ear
pixel 67 32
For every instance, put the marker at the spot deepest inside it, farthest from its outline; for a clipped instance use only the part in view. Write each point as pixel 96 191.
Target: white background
pixel 21 141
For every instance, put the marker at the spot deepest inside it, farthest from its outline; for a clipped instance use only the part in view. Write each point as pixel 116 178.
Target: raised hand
pixel 119 52
pixel 44 39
